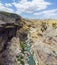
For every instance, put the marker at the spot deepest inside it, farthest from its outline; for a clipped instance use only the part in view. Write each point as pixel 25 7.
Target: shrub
pixel 43 26
pixel 54 25
pixel 22 44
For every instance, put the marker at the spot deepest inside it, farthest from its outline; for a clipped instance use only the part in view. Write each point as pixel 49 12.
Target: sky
pixel 32 9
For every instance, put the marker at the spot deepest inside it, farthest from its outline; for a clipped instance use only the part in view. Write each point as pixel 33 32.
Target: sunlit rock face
pixel 41 36
pixel 44 43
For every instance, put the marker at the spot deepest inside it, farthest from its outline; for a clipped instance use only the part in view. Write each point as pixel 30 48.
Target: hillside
pixel 11 34
pixel 27 41
pixel 43 41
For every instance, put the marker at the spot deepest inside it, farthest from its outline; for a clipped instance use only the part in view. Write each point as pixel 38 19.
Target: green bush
pixel 43 26
pixel 19 58
pixel 54 25
pixel 22 44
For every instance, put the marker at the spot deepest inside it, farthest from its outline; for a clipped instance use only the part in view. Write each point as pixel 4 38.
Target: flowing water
pixel 31 60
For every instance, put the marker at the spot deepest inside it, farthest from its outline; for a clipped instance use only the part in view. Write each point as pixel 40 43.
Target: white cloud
pixel 4 8
pixel 30 6
pixel 47 13
pixel 50 13
pixel 8 4
pixel 34 8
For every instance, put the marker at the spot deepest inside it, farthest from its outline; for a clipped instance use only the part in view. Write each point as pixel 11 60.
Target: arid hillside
pixel 43 41
pixel 27 41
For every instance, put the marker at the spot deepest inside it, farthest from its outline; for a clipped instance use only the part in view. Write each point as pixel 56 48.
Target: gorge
pixel 27 41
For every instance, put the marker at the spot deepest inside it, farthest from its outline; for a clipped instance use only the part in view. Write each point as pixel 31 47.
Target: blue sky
pixel 33 9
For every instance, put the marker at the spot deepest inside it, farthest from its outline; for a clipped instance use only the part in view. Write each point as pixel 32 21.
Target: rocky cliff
pixel 27 42
pixel 10 26
pixel 43 40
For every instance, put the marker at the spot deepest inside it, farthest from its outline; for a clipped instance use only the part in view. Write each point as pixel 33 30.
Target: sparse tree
pixel 43 26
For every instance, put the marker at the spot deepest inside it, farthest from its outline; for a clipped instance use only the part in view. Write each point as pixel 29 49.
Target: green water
pixel 31 60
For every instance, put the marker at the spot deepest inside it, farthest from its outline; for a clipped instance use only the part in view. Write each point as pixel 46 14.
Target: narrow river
pixel 31 60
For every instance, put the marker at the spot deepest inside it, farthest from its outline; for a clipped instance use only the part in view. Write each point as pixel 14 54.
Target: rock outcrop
pixel 43 37
pixel 9 40
pixel 20 38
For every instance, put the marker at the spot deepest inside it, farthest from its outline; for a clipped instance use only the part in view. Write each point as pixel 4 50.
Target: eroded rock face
pixel 12 32
pixel 9 44
pixel 44 44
